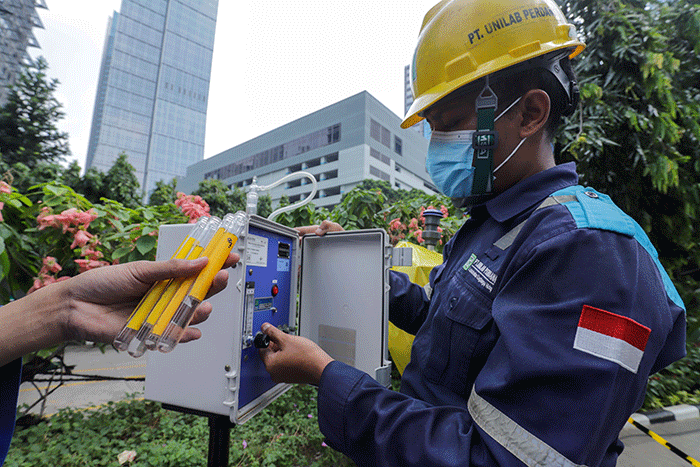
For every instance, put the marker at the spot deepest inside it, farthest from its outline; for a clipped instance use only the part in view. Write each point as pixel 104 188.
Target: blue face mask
pixel 449 162
pixel 450 158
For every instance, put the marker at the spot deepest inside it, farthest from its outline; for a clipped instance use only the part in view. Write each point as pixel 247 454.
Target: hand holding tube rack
pixel 167 308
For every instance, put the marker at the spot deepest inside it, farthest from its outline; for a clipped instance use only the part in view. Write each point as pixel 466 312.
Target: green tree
pixel 71 175
pixel 120 183
pixel 28 131
pixel 220 198
pixel 91 185
pixel 165 192
pixel 637 133
pixel 264 206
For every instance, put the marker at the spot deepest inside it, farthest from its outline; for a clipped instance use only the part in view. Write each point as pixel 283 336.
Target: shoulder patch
pixel 597 211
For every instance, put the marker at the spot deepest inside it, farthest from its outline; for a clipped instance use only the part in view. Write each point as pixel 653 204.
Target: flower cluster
pixel 192 206
pixel 71 220
pixel 47 274
pixel 4 188
pixel 75 222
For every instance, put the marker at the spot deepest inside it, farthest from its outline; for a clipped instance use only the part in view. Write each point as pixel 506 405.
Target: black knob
pixel 261 341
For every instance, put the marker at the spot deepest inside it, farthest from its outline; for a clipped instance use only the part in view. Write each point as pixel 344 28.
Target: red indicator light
pixel 275 290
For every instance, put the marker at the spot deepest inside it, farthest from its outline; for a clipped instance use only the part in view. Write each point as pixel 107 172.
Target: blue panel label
pixel 263 303
pixel 283 264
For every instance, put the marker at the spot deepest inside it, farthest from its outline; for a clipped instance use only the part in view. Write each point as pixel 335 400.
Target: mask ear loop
pixel 507 109
pixel 511 155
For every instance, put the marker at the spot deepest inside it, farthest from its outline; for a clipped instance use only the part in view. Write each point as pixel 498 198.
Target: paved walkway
pixel 89 394
pixel 640 449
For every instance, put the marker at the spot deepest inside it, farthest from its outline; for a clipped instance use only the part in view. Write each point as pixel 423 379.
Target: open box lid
pixel 344 298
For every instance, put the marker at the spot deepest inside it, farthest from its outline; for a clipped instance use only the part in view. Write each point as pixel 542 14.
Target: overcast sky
pixel 274 60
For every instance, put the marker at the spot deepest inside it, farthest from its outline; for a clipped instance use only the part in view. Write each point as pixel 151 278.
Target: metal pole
pixel 219 440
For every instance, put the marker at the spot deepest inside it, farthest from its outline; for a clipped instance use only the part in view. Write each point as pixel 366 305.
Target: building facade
pixel 421 127
pixel 153 88
pixel 17 19
pixel 343 144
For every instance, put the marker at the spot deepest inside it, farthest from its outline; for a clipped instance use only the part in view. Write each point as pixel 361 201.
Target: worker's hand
pixel 292 359
pixel 101 300
pixel 321 229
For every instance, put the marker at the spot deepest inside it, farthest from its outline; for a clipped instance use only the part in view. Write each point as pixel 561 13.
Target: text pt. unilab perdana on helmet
pixel 461 41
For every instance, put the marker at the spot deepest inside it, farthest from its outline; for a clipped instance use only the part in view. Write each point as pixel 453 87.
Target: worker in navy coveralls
pixel 92 306
pixel 537 334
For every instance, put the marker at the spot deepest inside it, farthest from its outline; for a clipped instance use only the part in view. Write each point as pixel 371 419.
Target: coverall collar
pixel 531 191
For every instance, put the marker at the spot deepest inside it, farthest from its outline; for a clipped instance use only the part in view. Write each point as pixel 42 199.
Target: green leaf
pixel 119 252
pixel 145 244
pixel 4 260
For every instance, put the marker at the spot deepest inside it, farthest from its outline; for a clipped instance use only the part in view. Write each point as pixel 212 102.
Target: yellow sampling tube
pixel 142 310
pixel 138 344
pixel 231 229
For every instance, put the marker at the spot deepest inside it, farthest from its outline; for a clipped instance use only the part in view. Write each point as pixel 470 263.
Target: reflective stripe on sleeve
pixel 507 240
pixel 531 450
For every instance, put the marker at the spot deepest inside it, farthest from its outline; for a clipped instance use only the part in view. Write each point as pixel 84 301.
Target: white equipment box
pixel 342 306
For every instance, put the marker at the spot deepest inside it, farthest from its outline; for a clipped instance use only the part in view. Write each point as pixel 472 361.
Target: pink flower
pixel 395 224
pixel 193 207
pixel 51 265
pixel 46 219
pixel 87 264
pixel 38 283
pixel 5 188
pixel 43 280
pixel 84 217
pixel 245 445
pixel 413 224
pixel 444 210
pixel 419 236
pixel 80 238
pixel 90 253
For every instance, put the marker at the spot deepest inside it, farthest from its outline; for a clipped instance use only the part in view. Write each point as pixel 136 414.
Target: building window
pixel 379 174
pixel 386 137
pixel 375 130
pixel 397 145
pixel 379 156
pixel 315 140
pixel 379 133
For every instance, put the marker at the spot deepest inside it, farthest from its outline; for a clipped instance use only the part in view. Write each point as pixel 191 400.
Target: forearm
pixel 408 303
pixel 33 322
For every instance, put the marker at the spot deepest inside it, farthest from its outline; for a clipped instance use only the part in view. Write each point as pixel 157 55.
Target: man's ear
pixel 536 105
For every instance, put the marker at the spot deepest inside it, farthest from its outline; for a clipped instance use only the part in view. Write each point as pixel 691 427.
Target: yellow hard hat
pixel 461 41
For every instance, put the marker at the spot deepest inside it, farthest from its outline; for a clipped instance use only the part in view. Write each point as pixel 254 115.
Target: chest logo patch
pixel 483 275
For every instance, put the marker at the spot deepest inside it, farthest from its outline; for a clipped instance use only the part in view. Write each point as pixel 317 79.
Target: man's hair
pixel 513 82
pixel 509 87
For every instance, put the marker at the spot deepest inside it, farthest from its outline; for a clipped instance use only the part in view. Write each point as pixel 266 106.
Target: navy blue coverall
pixel 544 322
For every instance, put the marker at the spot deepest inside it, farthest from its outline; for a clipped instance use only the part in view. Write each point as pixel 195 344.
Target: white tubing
pixel 298 204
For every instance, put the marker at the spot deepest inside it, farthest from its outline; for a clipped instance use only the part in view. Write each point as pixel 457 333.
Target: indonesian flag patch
pixel 612 337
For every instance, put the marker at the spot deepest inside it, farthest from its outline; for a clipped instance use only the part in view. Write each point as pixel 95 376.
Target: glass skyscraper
pixel 153 88
pixel 17 18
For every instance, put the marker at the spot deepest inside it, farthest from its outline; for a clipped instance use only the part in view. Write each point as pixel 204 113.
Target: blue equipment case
pixel 343 306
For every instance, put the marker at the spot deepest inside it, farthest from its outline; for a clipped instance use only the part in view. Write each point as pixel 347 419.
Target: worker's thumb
pixel 273 333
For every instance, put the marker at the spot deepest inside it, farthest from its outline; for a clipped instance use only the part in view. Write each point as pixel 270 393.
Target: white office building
pixel 343 144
